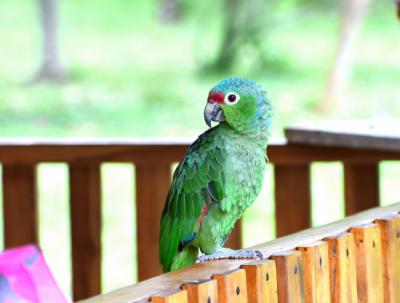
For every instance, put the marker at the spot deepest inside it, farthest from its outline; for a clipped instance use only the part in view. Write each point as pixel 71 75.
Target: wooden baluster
pixel 152 184
pixel 342 268
pixel 369 263
pixel 20 205
pixel 85 229
pixel 261 281
pixel 390 235
pixel 292 198
pixel 235 238
pixel 289 272
pixel 171 297
pixel 232 287
pixel 202 292
pixel 316 272
pixel 361 187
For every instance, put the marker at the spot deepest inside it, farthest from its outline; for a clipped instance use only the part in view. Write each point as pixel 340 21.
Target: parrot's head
pixel 242 104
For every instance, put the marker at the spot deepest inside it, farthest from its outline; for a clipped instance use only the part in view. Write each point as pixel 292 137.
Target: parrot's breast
pixel 244 175
pixel 244 168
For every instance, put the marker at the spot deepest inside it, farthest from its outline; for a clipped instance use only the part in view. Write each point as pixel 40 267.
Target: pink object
pixel 26 278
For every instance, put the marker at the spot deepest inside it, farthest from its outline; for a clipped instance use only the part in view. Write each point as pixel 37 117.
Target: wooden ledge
pixel 175 280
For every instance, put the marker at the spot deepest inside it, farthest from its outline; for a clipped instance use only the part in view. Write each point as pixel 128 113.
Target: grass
pixel 132 77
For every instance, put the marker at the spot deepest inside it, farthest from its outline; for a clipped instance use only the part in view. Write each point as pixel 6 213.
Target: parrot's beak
pixel 213 112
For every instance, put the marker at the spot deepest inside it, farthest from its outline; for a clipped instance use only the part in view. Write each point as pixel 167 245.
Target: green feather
pixel 217 190
pixel 182 207
pixel 203 169
pixel 219 157
pixel 187 197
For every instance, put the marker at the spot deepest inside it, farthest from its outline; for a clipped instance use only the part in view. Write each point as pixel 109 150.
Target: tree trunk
pixel 229 40
pixel 243 26
pixel 352 15
pixel 51 66
pixel 398 8
pixel 170 11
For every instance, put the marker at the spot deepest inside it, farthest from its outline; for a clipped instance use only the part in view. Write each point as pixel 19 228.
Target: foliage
pixel 133 77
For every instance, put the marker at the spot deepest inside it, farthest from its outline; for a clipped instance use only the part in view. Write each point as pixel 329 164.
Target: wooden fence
pixel 355 260
pixel 153 160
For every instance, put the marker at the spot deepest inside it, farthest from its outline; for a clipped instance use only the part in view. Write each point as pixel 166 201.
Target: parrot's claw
pixel 226 253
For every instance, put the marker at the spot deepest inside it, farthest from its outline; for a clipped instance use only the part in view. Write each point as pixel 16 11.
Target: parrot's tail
pixel 185 258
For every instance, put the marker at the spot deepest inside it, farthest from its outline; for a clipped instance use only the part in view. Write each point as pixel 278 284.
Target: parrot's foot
pixel 226 253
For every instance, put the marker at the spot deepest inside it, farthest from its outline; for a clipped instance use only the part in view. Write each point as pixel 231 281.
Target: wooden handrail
pixel 205 271
pixel 91 150
pixel 153 159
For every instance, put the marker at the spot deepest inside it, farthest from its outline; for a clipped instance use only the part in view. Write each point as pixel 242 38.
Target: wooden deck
pixel 353 260
pixel 153 160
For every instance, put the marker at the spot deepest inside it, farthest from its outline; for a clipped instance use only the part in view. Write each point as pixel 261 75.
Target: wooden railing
pixel 153 160
pixel 353 260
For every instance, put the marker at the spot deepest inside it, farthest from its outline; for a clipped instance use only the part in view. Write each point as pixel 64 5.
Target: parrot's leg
pixel 227 253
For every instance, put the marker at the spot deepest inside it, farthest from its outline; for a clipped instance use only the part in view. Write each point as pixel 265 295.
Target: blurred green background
pixel 134 71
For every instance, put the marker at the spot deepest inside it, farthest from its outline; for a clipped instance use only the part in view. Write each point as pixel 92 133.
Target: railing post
pixel 235 238
pixel 361 186
pixel 152 184
pixel 85 229
pixel 292 198
pixel 20 205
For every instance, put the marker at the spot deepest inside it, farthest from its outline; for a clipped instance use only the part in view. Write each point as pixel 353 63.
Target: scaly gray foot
pixel 227 253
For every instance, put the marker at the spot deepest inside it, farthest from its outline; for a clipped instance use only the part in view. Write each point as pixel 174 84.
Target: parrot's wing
pixel 197 181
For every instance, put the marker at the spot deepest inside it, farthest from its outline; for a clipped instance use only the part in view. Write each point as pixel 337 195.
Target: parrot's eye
pixel 231 98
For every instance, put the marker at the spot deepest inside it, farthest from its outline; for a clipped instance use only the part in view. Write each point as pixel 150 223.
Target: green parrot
pixel 219 177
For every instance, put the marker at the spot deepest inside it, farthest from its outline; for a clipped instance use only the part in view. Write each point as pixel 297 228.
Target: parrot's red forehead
pixel 217 97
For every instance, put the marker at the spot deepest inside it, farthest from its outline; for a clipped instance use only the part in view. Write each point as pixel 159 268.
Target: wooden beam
pixel 180 296
pixel 342 268
pixel 152 184
pixel 390 234
pixel 316 272
pixel 261 281
pixel 85 230
pixel 368 251
pixel 289 273
pixel 292 198
pixel 361 187
pixel 20 205
pixel 109 150
pixel 232 287
pixel 202 292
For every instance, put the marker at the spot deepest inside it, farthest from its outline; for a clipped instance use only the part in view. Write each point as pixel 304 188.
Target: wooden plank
pixel 369 263
pixel 316 272
pixel 85 229
pixel 20 205
pixel 361 187
pixel 205 270
pixel 202 292
pixel 261 281
pixel 161 151
pixel 292 198
pixel 232 287
pixel 390 235
pixel 235 238
pixel 289 272
pixel 152 184
pixel 382 134
pixel 171 297
pixel 342 268
pixel 303 154
pixel 92 152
